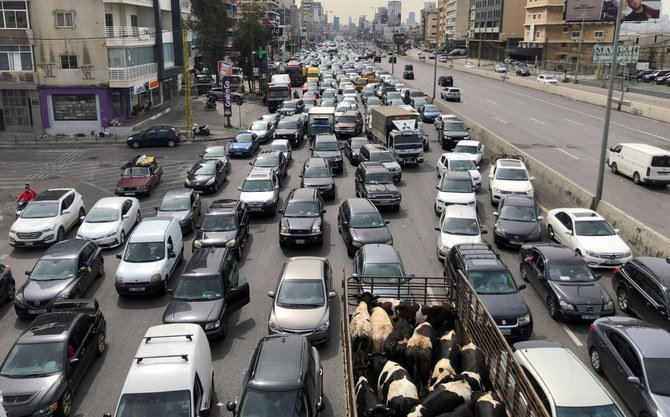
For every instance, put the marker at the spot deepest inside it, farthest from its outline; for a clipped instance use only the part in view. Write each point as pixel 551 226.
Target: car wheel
pixel 100 344
pixel 171 143
pixel 523 273
pixel 597 366
pixel 181 256
pixel 82 213
pixel 319 242
pixel 101 268
pixel 60 235
pixel 11 290
pixel 578 252
pixel 614 168
pixel 550 231
pixel 65 403
pixel 135 144
pixel 237 100
pixel 437 212
pixel 122 238
pixel 552 309
pixel 622 299
pixel 139 217
pixel 636 178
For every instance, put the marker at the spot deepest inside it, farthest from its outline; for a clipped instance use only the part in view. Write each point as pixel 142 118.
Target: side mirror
pixel 107 415
pixel 532 178
pixel 202 155
pixel 276 187
pixel 171 255
pixel 251 163
pixel 28 271
pixel 437 187
pixel 484 232
pixel 490 176
pixel 437 228
pixel 118 256
pixel 82 269
pixel 156 208
pixel 540 218
pixel 239 188
pixel 616 231
pixel 387 222
pixel 300 175
pixel 495 213
pixel 635 381
pixel 230 406
pixel 271 294
pixel 332 294
pixel 323 211
pixel 568 232
pixel 169 290
pixel 81 218
pixel 522 287
pixel 597 276
pixel 280 211
pixel 74 361
pixel 320 406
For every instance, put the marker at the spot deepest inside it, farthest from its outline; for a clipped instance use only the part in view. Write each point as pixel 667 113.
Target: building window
pixel 14 15
pixel 68 61
pixel 565 29
pixel 16 108
pixel 575 34
pixel 16 58
pixel 537 34
pixel 598 34
pixel 168 52
pixel 562 56
pixel 539 15
pixel 75 107
pixel 117 104
pixel 64 19
pixel 534 15
pixel 109 19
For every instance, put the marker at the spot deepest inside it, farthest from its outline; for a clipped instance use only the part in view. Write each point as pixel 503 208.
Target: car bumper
pixel 384 202
pixel 325 192
pixel 313 336
pixel 410 159
pixel 345 133
pixel 517 333
pixel 45 239
pixel 26 311
pixel 264 208
pixel 300 239
pixel 104 242
pixel 245 152
pixel 441 205
pixel 203 188
pixel 119 191
pixel 514 241
pixel 336 164
pixel 605 262
pixel 140 288
pixel 574 315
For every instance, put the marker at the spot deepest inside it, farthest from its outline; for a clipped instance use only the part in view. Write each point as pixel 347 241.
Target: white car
pixel 47 218
pixel 439 120
pixel 283 146
pixel 341 109
pixel 455 187
pixel 547 79
pixel 458 224
pixel 509 176
pixel 459 162
pixel 469 65
pixel 260 191
pixel 500 68
pixel 588 234
pixel 350 92
pixel 450 94
pixel 110 220
pixel 473 148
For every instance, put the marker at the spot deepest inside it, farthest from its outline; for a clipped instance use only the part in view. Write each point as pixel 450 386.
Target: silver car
pixel 182 204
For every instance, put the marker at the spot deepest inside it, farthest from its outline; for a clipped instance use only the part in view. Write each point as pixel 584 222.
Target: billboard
pixel 608 10
pixel 626 54
pixel 227 107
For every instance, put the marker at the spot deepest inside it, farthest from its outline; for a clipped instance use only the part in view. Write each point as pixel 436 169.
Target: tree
pixel 209 22
pixel 251 35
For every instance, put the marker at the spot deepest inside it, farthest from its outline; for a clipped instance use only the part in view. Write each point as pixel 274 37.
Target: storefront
pixel 17 109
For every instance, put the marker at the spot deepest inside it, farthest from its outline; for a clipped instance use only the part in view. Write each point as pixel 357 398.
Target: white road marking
pixel 104 190
pixel 520 102
pixel 567 153
pixel 501 120
pixel 572 121
pixel 492 102
pixel 538 121
pixel 572 335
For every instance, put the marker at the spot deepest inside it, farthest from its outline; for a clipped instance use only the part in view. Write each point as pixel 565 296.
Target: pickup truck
pixel 140 175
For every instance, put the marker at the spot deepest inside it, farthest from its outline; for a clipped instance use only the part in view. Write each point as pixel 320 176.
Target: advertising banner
pixel 602 54
pixel 608 10
pixel 227 107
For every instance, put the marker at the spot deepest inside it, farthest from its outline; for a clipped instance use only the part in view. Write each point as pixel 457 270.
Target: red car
pixel 139 176
pixel 349 124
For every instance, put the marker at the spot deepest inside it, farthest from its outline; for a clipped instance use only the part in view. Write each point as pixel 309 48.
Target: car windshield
pixel 466 149
pixel 203 169
pixel 144 252
pixel 41 209
pixel 456 186
pixel 593 228
pixel 289 105
pixel 382 157
pixel 163 403
pixel 343 107
pixel 301 293
pixel 215 152
pixel 281 147
pixel 416 93
pixel 289 124
pixel 570 272
pixel 460 226
pixel 102 215
pixel 136 172
pixel 511 174
pixel 175 204
pixel 255 186
pixel 244 138
pixel 219 223
pixel 518 213
pixel 326 146
pixel 392 95
pixel 657 375
pixel 609 410
pixel 258 126
pixel 281 93
pixel 366 221
pixel 302 209
pixel 34 359
pixel 317 172
pixel 358 143
pixel 347 119
pixel 373 101
pixel 430 108
pixel 274 403
pixel 328 94
pixel 267 162
pixel 348 91
pixel 378 178
pixel 492 282
pixel 461 165
pixel 454 126
pixel 198 288
pixel 383 270
pixel 53 270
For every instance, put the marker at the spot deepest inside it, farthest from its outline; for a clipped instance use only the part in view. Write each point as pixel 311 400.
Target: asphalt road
pixel 561 133
pixel 93 171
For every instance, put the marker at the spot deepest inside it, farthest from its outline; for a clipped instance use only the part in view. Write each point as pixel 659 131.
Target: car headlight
pixel 110 234
pixel 627 254
pixel 316 228
pixel 49 229
pixel 274 327
pixel 565 306
pixel 18 298
pixel 499 230
pixel 231 243
pixel 529 192
pixel 214 325
pixel 609 305
pixel 283 229
pixel 322 327
pixel 155 278
pixel 269 202
pixel 591 254
pixel 118 280
pixel 523 320
pixel 496 189
pixel 389 242
pixel 444 247
pixel 78 236
pixel 12 231
pixel 47 411
pixel 210 181
pixel 466 137
pixel 63 296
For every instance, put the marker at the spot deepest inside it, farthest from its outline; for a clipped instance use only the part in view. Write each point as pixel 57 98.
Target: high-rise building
pixel 411 19
pixel 500 26
pixel 429 17
pixel 456 20
pixel 336 23
pixel 270 7
pixel 394 8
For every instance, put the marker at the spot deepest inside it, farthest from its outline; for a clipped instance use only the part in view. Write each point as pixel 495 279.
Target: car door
pixel 237 295
pixel 127 218
pixel 441 165
pixel 648 299
pixel 87 267
pixel 318 377
pixel 343 223
pixel 196 205
pixel 149 137
pixel 560 225
pixel 79 341
pixel 70 216
pixel 624 363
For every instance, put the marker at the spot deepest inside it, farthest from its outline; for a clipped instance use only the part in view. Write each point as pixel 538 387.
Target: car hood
pixel 43 290
pixel 456 198
pixel 198 179
pixel 181 311
pixel 581 292
pixel 260 133
pixel 96 230
pixel 603 244
pixel 287 110
pixel 371 235
pixel 215 238
pixel 135 136
pixel 262 196
pixel 38 388
pixel 133 182
pixel 240 145
pixel 391 165
pixel 514 186
pixel 285 132
pixel 299 223
pixel 513 227
pixel 502 306
pixel 451 240
pixel 381 188
pixel 456 133
pixel 179 215
pixel 139 272
pixel 299 318
pixel 32 225
pixel 345 125
pixel 312 182
pixel 326 154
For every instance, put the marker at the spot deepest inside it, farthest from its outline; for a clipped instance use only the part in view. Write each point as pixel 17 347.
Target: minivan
pixel 150 257
pixel 645 164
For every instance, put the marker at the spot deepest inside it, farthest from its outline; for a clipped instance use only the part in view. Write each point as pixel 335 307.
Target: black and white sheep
pixel 367 402
pixel 445 397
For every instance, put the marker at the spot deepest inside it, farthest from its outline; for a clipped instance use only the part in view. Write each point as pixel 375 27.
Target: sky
pixel 355 8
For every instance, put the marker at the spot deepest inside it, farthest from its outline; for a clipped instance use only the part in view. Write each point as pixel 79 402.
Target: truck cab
pixel 277 93
pixel 407 145
pixel 320 120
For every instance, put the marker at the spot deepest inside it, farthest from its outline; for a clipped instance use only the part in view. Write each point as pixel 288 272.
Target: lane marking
pixel 572 121
pixel 501 120
pixel 538 121
pixel 572 335
pixel 567 153
pixel 520 102
pixel 492 102
pixel 90 184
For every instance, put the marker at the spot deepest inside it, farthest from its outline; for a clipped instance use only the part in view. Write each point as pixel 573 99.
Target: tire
pixel 101 269
pixel 171 143
pixel 622 299
pixel 181 257
pixel 60 235
pixel 523 273
pixel 636 178
pixel 552 308
pixel 122 238
pixel 237 101
pixel 437 213
pixel 65 403
pixel 594 358
pixel 11 290
pixel 614 168
pixel 139 217
pixel 550 232
pixel 135 144
pixel 578 252
pixel 81 214
pixel 100 344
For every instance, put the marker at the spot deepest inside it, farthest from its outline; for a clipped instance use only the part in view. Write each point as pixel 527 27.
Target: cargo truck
pixel 396 128
pixel 276 95
pixel 320 120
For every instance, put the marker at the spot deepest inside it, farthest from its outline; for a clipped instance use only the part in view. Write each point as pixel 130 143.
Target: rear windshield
pixel 661 161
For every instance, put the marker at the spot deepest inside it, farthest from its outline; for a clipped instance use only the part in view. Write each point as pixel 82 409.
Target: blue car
pixel 429 113
pixel 244 144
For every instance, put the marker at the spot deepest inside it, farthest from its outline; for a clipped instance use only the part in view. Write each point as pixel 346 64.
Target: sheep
pixel 381 328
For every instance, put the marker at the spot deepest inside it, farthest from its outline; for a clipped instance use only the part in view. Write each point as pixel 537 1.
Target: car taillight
pixel 648 171
pixel 617 270
pixel 592 329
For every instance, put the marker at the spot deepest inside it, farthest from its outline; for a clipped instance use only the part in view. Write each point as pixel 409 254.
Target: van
pixel 645 164
pixel 150 257
pixel 171 374
pixel 280 79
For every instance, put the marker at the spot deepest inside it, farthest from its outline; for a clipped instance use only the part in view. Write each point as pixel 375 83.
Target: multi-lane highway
pixel 561 133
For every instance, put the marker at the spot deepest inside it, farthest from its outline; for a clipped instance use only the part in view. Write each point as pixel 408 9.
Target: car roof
pixel 325 138
pixel 52 194
pixel 268 153
pixel 361 205
pixel 259 174
pixel 457 156
pixel 151 228
pixel 468 142
pixel 280 363
pixel 555 252
pixel 225 205
pixel 67 249
pixel 50 327
pixel 519 200
pixel 373 167
pixel 457 175
pixel 179 192
pixel 660 267
pixel 460 211
pixel 376 147
pixel 510 163
pixel 205 262
pixel 579 214
pixel 304 267
pixel 295 117
pixel 379 253
pixel 650 340
pixel 316 162
pixel 350 113
pixel 115 202
pixel 303 194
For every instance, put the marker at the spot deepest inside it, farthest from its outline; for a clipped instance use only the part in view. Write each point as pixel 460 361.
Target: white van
pixel 171 375
pixel 150 257
pixel 645 164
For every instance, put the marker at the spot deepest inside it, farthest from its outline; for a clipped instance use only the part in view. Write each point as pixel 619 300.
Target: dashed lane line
pixel 490 101
pixel 538 121
pixel 501 120
pixel 572 121
pixel 567 153
pixel 572 335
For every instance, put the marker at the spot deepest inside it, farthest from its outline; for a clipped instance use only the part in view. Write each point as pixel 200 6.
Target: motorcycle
pixel 201 130
pixel 210 106
pixel 19 207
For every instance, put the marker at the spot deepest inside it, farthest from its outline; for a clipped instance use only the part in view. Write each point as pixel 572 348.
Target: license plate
pixel 589 316
pixel 410 160
pixel 516 242
pixel 300 241
pixel 29 243
pixel 506 332
pixel 40 311
pixel 135 289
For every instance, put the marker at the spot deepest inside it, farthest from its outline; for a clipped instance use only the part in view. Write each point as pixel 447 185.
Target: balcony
pixel 147 3
pixel 130 35
pixel 131 76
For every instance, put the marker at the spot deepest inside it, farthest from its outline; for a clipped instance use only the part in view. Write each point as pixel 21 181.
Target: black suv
pixel 360 223
pixel 285 378
pixel 408 75
pixel 226 224
pixel 316 173
pixel 291 107
pixel 291 128
pixel 373 181
pixel 274 160
pixel 517 221
pixel 494 284
pixel 327 146
pixel 302 218
pixel 642 286
pixel 446 81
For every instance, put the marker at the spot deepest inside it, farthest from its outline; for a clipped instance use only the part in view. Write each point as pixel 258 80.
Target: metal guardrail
pixel 132 73
pixel 148 3
pixel 133 33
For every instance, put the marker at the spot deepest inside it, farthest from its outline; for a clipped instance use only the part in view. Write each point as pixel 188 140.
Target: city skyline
pixel 352 8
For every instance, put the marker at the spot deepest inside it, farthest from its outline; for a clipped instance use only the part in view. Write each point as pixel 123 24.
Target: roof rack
pixel 187 336
pixel 140 160
pixel 139 359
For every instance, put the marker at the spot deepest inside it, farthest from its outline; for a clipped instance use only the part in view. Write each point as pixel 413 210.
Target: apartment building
pixel 429 18
pixel 456 19
pixel 270 7
pixel 498 26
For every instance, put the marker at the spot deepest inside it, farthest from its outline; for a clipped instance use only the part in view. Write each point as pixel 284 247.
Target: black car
pixel 408 67
pixel 326 146
pixel 155 136
pixel 373 181
pixel 291 128
pixel 291 107
pixel 517 221
pixel 7 284
pixel 359 223
pixel 566 284
pixel 66 270
pixel 446 81
pixel 451 133
pixel 274 160
pixel 284 378
pixel 43 369
pixel 522 71
pixel 352 148
pixel 226 224
pixel 301 222
pixel 495 285
pixel 207 175
pixel 642 287
pixel 317 173
pixel 209 289
pixel 408 75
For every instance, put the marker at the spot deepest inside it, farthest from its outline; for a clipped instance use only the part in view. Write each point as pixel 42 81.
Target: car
pixel 452 132
pixel 283 146
pixel 7 284
pixel 408 75
pixel 641 287
pixel 47 218
pixel 110 220
pixel 425 138
pixel 182 204
pixel 509 176
pixel 379 263
pixel 633 356
pixel 445 81
pixel 317 173
pixel 350 92
pixel 418 104
pixel 168 136
pixel 349 124
pixel 66 270
pixel 547 79
pixel 373 181
pixel 42 371
pixel 458 224
pixel 522 71
pixel 263 130
pixel 326 146
pixel 429 112
pixel 301 299
pixel 244 144
pixel 395 102
pixel 500 68
pixel 561 278
pixel 301 222
pixel 360 223
pixel 209 289
pixel 375 152
pixel 235 97
pixel 580 394
pixel 473 148
pixel 140 175
pixel 459 162
pixel 291 128
pixel 450 94
pixel 327 102
pixel 298 388
pixel 517 221
pixel 442 118
pixel 207 175
pixel 421 56
pixel 273 160
pixel 590 235
pixel 291 107
pixel 372 101
pixel 431 55
pixel 225 224
pixel 260 191
pixel 455 187
pixel 217 152
pixel 271 117
pixel 329 93
pixel 352 148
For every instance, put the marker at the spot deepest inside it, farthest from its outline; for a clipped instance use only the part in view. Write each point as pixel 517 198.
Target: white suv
pixel 47 218
pixel 509 176
pixel 261 191
pixel 459 162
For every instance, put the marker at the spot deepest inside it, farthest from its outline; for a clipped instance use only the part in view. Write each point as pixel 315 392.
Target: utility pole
pixel 479 49
pixel 187 81
pixel 435 72
pixel 579 48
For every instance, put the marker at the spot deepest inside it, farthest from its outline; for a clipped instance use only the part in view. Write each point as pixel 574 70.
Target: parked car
pixel 225 224
pixel 207 175
pixel 182 204
pixel 235 97
pixel 547 79
pixel 168 136
pixel 522 71
pixel 218 152
pixel 301 220
pixel 110 220
pixel 517 221
pixel 500 68
pixel 244 143
pixel 360 223
pixel 509 176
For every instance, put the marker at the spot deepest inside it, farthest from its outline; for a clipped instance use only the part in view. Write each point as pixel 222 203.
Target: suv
pixel 494 284
pixel 451 161
pixel 376 264
pixel 291 107
pixel 360 223
pixel 291 128
pixel 373 181
pixel 274 160
pixel 260 191
pixel 140 175
pixel 450 93
pixel 509 176
pixel 455 187
pixel 349 124
pixel 452 132
pixel 225 224
pixel 326 146
pixel 47 218
pixel 285 377
pixel 302 218
pixel 316 173
pixel 375 152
